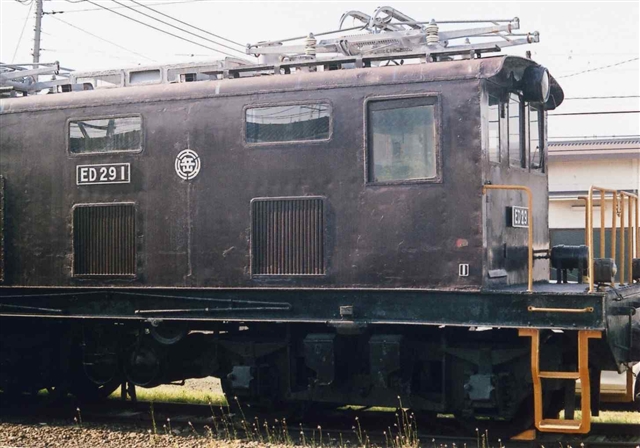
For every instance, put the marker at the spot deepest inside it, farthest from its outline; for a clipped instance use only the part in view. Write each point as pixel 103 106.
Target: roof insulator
pixel 310 45
pixel 432 33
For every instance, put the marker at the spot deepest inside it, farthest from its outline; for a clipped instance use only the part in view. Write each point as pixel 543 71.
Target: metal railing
pixel 630 230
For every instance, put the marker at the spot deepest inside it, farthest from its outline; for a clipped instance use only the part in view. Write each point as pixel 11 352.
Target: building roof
pixel 595 149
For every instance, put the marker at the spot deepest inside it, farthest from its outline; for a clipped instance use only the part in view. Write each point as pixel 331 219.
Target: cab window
pixel 401 140
pixel 288 123
pixel 536 139
pixel 494 129
pixel 517 151
pixel 100 135
pixel 516 133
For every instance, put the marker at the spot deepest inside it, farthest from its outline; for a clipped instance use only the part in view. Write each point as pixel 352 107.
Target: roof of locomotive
pixel 502 70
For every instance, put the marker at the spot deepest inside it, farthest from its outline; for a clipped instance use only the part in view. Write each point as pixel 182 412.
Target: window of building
pixel 288 123
pixel 536 140
pixel 494 130
pixel 401 140
pixel 105 135
pixel 516 148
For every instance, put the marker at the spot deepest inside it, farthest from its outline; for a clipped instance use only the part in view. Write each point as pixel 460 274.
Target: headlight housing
pixel 535 84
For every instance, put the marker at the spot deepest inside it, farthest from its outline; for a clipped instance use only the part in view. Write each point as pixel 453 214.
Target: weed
pixel 153 419
pixel 361 435
pixel 302 436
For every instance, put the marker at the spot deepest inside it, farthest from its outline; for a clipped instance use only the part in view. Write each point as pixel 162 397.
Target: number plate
pixel 519 217
pixel 108 173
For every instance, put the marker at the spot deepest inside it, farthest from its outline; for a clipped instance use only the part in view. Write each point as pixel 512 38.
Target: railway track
pixel 311 428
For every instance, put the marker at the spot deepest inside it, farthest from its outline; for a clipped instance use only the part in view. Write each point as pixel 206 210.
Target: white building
pixel 576 165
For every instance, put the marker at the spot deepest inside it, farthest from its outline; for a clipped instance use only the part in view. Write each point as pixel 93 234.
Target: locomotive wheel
pixel 86 390
pixel 94 379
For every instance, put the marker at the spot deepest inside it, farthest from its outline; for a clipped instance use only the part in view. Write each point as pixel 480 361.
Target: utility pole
pixel 36 39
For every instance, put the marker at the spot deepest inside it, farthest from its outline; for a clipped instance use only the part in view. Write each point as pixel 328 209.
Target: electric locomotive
pixel 344 221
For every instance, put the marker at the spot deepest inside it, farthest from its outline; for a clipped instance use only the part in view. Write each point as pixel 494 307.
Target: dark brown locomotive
pixel 336 237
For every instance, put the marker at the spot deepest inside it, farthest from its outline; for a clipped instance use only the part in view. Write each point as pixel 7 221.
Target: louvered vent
pixel 287 236
pixel 104 240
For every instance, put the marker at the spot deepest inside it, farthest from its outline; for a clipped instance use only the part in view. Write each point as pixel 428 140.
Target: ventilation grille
pixel 104 240
pixel 287 236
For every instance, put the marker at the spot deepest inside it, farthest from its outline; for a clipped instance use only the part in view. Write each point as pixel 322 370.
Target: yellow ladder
pixel 583 425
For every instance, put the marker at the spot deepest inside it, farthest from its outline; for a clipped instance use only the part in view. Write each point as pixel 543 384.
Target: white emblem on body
pixel 187 164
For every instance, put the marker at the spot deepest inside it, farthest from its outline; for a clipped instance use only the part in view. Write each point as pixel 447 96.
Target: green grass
pixel 176 394
pixel 172 394
pixel 611 417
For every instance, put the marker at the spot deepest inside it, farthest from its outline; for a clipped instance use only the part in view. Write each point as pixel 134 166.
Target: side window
pixel 494 129
pixel 402 140
pixel 288 123
pixel 516 148
pixel 536 139
pixel 101 135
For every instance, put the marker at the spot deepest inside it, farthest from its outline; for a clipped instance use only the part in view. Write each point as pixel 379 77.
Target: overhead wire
pixel 188 24
pixel 177 27
pixel 119 7
pixel 129 59
pixel 610 112
pixel 159 29
pixel 22 32
pixel 601 97
pixel 599 68
pixel 102 39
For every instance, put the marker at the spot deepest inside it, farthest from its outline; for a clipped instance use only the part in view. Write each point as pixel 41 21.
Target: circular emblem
pixel 187 164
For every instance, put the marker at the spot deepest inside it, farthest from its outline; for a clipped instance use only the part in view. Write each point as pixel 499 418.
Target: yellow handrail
pixel 529 225
pixel 586 217
pixel 616 195
pixel 631 199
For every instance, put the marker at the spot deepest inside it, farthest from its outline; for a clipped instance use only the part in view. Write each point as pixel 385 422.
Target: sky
pixel 578 40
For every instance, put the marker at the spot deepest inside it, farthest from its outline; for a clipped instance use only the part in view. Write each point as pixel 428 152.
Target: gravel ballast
pixel 61 434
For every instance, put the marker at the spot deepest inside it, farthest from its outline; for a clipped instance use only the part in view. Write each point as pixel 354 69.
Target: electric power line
pixel 177 27
pixel 159 29
pixel 598 113
pixel 102 39
pixel 601 97
pixel 22 32
pixel 599 68
pixel 185 23
pixel 119 7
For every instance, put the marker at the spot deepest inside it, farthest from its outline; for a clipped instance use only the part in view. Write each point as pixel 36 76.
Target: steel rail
pixel 442 431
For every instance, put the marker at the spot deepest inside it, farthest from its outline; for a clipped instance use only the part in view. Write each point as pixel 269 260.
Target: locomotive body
pixel 204 232
pixel 340 237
